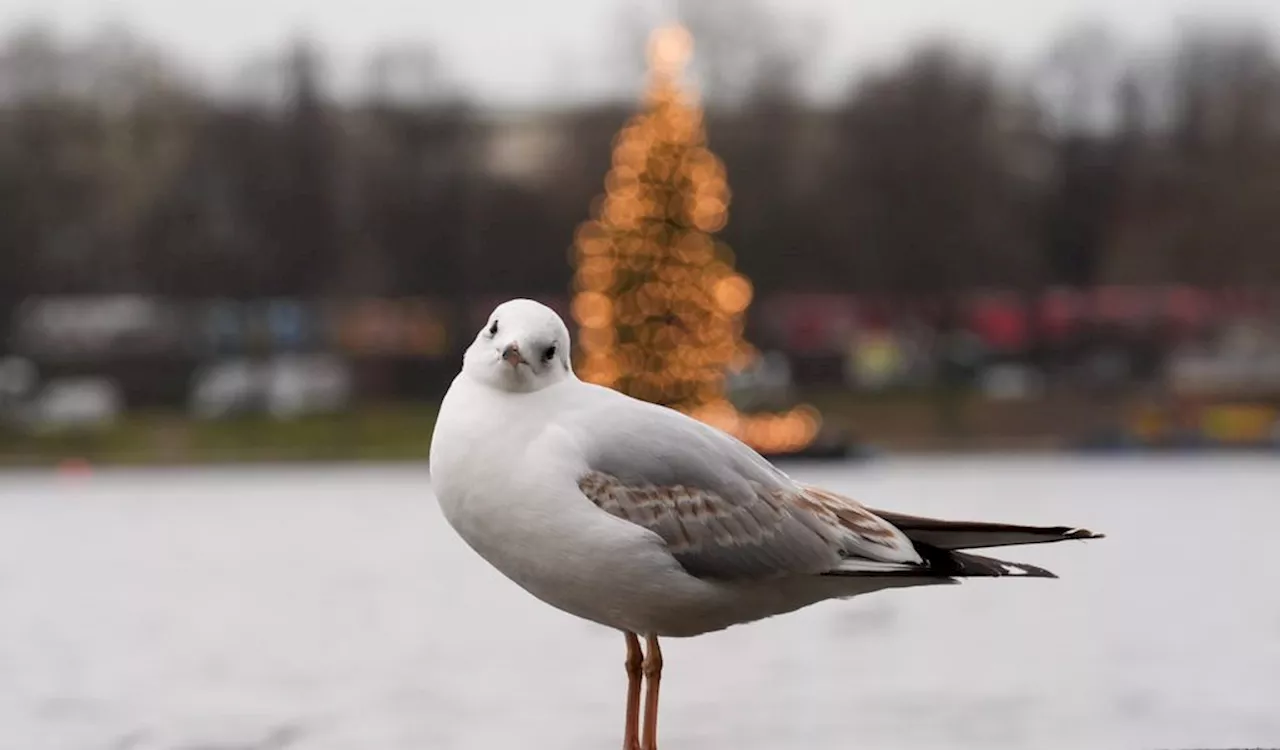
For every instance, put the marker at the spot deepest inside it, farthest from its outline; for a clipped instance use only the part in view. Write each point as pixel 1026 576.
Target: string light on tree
pixel 659 305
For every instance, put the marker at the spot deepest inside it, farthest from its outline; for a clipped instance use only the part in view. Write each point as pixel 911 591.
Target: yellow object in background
pixel 1239 423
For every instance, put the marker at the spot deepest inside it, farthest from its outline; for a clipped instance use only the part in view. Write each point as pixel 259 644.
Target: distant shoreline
pixel 857 427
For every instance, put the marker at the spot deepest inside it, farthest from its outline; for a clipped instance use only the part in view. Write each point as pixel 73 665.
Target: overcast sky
pixel 523 51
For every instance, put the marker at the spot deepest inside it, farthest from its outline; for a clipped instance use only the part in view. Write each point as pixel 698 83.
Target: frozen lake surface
pixel 333 609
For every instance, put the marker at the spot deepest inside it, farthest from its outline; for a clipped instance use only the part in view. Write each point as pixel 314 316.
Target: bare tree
pixel 926 193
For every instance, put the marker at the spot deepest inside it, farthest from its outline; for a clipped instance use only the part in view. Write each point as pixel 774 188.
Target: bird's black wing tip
pixel 1082 534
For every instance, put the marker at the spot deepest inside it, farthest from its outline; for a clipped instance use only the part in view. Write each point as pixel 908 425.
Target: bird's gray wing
pixel 722 509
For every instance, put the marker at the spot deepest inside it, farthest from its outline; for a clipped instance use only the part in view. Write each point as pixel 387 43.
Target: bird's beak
pixel 512 356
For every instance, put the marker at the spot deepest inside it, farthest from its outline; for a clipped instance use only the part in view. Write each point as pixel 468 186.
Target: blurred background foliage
pixel 1081 242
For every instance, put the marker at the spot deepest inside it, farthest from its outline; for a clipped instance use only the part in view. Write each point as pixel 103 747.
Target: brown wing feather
pixel 761 534
pixel 852 516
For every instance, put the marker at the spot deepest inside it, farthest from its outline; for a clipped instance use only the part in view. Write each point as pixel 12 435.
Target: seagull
pixel 642 519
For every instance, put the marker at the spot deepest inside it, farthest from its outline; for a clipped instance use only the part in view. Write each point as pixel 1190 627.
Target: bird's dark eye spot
pixel 549 353
pixel 493 329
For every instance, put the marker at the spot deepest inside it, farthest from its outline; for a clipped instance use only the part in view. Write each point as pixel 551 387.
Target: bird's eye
pixel 549 353
pixel 493 329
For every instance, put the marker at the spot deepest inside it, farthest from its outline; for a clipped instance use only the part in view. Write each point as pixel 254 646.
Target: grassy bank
pixel 903 422
pixel 384 432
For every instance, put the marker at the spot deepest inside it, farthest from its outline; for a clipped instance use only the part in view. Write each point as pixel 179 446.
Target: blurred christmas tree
pixel 658 301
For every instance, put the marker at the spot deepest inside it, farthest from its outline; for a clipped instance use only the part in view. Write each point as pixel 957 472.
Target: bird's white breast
pixel 504 472
pixel 483 445
pixel 505 478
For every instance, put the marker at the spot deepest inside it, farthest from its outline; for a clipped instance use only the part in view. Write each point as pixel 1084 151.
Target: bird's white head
pixel 523 347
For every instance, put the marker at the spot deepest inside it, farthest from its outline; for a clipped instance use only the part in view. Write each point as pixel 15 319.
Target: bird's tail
pixel 952 564
pixel 939 542
pixel 941 565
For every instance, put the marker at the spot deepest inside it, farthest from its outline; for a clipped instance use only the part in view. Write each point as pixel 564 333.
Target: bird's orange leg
pixel 652 668
pixel 631 733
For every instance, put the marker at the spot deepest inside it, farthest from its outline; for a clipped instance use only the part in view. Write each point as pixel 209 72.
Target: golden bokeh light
pixel 592 310
pixel 733 294
pixel 670 48
pixel 659 304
